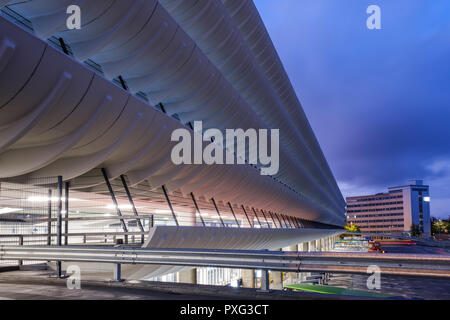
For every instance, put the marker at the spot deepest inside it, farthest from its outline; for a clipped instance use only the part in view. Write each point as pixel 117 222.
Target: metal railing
pixel 389 264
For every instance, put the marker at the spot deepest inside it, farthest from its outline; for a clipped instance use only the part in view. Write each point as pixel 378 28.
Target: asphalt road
pixel 405 287
pixel 414 249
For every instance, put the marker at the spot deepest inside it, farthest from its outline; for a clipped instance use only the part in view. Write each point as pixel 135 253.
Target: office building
pixel 392 212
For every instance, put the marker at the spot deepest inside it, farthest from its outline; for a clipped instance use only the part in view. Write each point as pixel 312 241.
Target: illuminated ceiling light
pixel 162 211
pixel 121 206
pixel 9 210
pixel 426 199
pixel 53 199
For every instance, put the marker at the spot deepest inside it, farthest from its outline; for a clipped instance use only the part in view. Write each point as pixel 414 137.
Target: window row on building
pixel 375 221
pixel 376 199
pixel 383 226
pixel 375 210
pixel 376 215
pixel 374 204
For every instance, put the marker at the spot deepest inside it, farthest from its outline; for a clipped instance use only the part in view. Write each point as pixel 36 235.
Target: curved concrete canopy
pixel 164 237
pixel 58 117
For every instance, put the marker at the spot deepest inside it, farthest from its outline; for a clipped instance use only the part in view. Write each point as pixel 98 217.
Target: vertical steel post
pixel 66 214
pixel 49 218
pixel 197 209
pixel 170 205
pixel 59 224
pixel 248 219
pixel 130 199
pixel 234 215
pixel 264 215
pixel 217 210
pixel 21 244
pixel 114 200
pixel 257 218
pixel 117 272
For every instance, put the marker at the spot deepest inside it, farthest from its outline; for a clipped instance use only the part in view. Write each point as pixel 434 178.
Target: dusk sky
pixel 378 100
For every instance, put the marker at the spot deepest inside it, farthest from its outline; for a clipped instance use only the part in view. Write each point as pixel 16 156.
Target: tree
pixel 352 228
pixel 439 226
pixel 414 230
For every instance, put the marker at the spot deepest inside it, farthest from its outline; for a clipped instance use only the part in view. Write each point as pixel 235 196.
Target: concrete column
pixel 305 246
pixel 248 278
pixel 188 276
pixel 312 246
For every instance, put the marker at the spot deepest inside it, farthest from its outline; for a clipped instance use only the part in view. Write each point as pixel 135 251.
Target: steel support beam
pixel 265 218
pixel 114 200
pixel 234 215
pixel 257 218
pixel 197 209
pixel 278 218
pixel 293 221
pixel 170 205
pixel 286 221
pixel 218 212
pixel 248 219
pixel 273 219
pixel 130 199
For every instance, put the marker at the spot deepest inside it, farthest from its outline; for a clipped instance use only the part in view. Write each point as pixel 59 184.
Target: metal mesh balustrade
pixel 28 212
pixel 96 212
